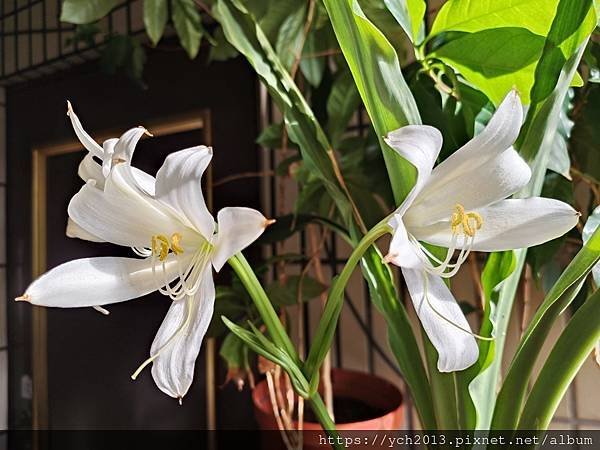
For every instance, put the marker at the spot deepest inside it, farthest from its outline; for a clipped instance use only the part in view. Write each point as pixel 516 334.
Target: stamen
pixel 169 341
pixel 101 310
pixel 426 297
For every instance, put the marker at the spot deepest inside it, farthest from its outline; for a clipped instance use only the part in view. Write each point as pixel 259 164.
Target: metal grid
pixel 34 42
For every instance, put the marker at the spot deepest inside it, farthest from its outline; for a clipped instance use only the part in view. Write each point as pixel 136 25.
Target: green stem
pixel 570 352
pixel 263 304
pixel 278 334
pixel 333 306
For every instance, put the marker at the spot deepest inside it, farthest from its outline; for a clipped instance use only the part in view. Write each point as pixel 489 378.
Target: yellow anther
pixel 161 245
pixel 465 222
pixel 175 243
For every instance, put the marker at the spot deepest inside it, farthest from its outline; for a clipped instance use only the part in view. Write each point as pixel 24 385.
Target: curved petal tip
pixel 23 298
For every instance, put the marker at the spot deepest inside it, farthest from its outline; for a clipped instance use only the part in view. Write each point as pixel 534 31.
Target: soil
pixel 348 410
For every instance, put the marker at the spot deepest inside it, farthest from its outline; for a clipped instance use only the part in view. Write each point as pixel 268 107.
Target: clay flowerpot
pixel 361 402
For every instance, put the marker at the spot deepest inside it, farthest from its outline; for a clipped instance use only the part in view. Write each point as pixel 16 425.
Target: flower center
pixel 462 223
pixel 161 245
pixel 467 222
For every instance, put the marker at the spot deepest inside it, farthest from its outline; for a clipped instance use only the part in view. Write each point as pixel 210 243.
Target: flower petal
pixel 123 218
pixel 420 145
pixel 499 135
pixel 75 231
pixel 432 299
pixel 402 252
pixel 90 144
pixel 495 180
pixel 97 281
pixel 179 338
pixel 510 224
pixel 179 185
pixel 238 228
pixel 89 169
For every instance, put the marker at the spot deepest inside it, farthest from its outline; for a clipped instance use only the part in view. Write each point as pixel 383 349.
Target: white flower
pixel 461 205
pixel 166 222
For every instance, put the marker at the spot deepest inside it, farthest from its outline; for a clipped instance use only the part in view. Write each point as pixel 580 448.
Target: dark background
pixel 91 356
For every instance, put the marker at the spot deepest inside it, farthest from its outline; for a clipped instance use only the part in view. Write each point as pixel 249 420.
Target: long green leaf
pixel 377 74
pixel 188 25
pixel 80 12
pixel 410 15
pixel 566 358
pixel 560 296
pixel 248 38
pixel 155 18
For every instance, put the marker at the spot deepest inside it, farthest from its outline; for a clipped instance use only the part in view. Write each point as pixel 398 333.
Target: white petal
pixel 179 185
pixel 89 169
pixel 90 144
pixel 108 147
pixel 123 218
pixel 402 252
pixel 511 224
pixel 97 281
pixel 457 349
pixel 75 231
pixel 179 339
pixel 238 228
pixel 125 146
pixel 420 145
pixel 495 180
pixel 498 136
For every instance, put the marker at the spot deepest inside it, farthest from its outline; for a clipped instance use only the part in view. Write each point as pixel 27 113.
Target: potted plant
pixel 439 191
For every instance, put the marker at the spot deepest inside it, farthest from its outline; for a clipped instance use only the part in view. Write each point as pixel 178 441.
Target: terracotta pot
pixel 371 390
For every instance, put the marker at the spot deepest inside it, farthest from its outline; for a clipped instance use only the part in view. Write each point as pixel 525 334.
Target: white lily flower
pixel 166 221
pixel 461 205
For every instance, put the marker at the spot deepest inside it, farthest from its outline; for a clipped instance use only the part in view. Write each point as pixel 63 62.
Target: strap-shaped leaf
pixel 560 296
pixel 571 350
pixel 377 74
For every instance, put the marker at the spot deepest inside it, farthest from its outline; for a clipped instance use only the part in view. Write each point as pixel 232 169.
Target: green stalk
pixel 570 352
pixel 333 306
pixel 263 304
pixel 443 390
pixel 278 334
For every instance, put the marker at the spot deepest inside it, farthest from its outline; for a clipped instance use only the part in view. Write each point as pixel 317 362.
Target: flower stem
pixel 263 304
pixel 278 333
pixel 326 328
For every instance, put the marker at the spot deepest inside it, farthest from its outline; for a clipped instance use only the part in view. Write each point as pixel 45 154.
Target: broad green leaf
pixel 410 15
pixel 286 292
pixel 155 18
pixel 188 25
pixel 570 352
pixel 290 37
pixel 560 296
pixel 221 50
pixel 591 225
pixel 312 63
pixel 232 351
pixel 342 103
pixel 495 60
pixel 573 24
pixel 85 11
pixel 377 74
pixel 472 16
